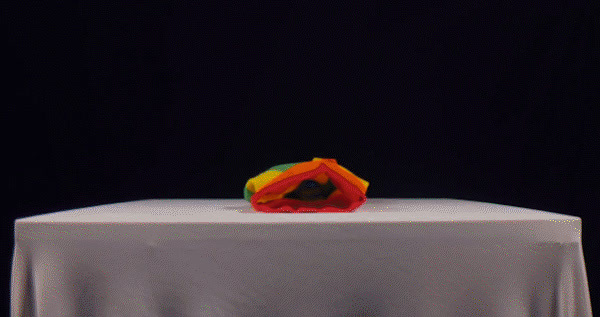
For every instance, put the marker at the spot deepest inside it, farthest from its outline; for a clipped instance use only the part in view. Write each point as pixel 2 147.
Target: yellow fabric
pixel 258 182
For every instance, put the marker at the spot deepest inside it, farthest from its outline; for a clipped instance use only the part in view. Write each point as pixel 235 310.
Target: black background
pixel 479 101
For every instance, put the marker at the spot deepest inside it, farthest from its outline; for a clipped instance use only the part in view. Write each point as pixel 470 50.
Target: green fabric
pixel 247 194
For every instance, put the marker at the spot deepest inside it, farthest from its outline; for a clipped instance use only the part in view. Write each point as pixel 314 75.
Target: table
pixel 217 257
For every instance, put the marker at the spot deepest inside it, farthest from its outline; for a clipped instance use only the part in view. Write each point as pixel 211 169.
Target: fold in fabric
pixel 320 185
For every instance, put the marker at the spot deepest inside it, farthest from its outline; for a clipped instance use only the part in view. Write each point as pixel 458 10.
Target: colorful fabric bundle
pixel 320 185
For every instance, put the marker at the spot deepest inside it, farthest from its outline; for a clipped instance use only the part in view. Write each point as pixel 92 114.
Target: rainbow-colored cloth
pixel 320 185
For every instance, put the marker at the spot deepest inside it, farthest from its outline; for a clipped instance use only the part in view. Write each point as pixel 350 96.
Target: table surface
pixel 240 211
pixel 378 218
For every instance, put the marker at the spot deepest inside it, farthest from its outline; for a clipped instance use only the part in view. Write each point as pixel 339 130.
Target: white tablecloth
pixel 391 257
